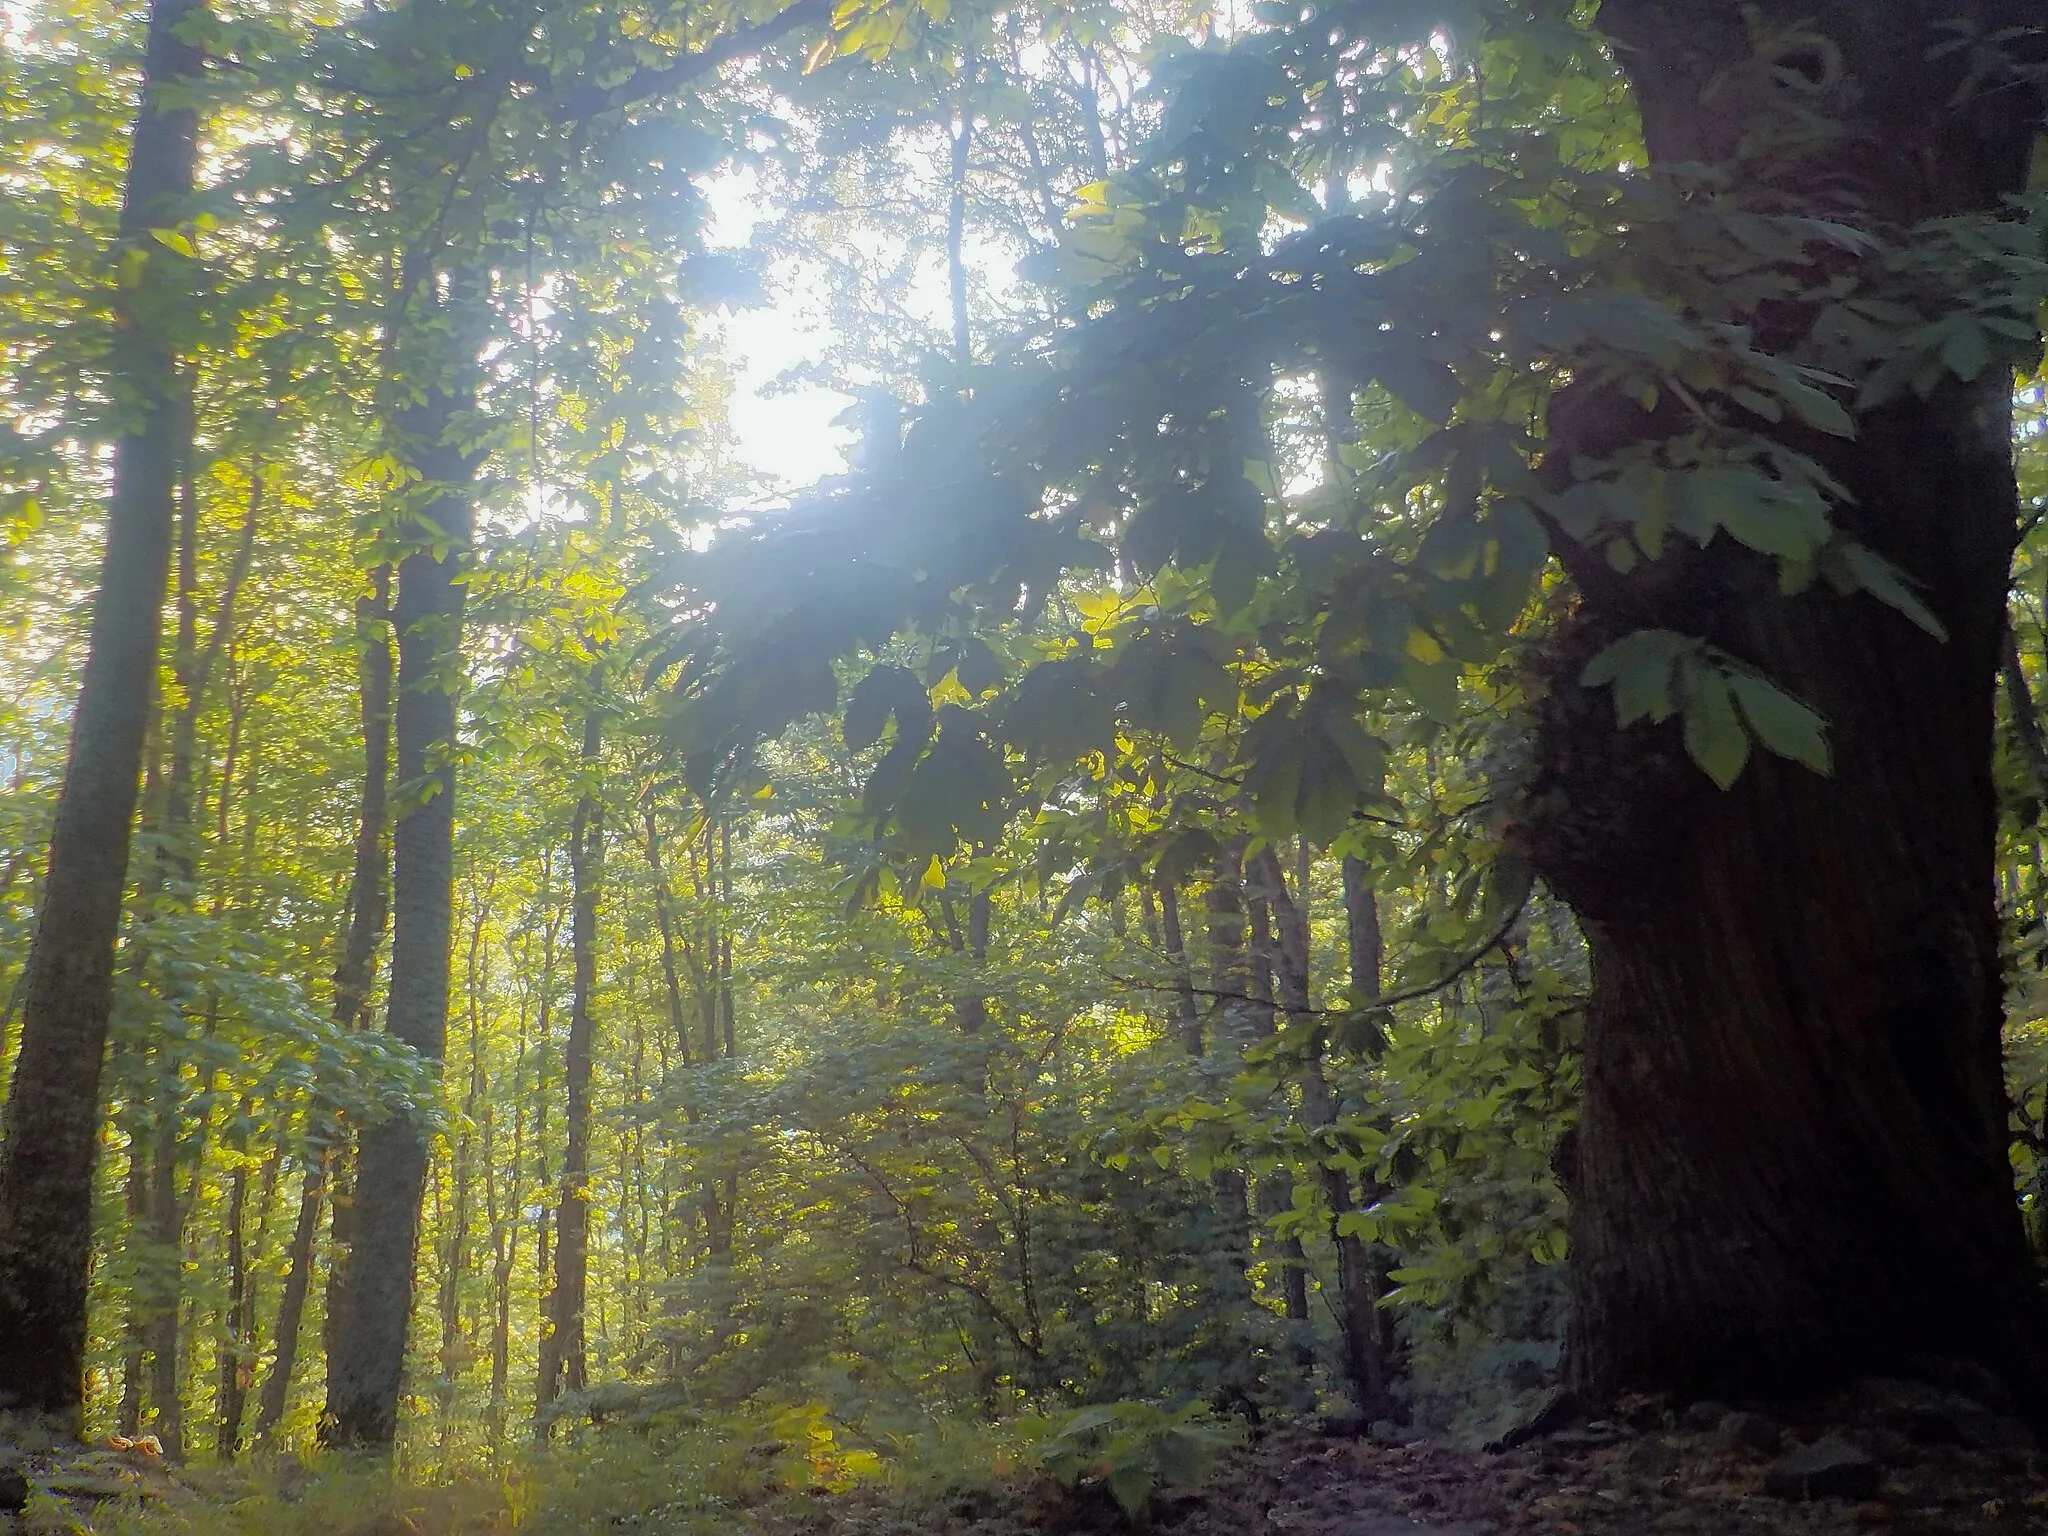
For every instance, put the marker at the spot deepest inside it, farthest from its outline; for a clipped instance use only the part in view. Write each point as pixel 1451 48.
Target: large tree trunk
pixel 1791 1161
pixel 563 1359
pixel 366 1366
pixel 51 1130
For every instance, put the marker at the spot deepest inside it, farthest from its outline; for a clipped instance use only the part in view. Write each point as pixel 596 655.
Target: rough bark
pixel 1793 1090
pixel 366 1366
pixel 50 1134
pixel 563 1359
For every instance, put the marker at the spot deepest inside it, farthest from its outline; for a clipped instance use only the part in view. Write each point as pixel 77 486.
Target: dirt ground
pixel 1891 1455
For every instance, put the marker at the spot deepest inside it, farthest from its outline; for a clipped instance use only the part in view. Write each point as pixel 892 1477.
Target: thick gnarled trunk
pixel 1793 1088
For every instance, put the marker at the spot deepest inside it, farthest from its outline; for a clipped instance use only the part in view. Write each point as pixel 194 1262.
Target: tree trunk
pixel 1276 1189
pixel 1361 1275
pixel 1791 1160
pixel 167 1238
pixel 2026 729
pixel 369 905
pixel 1186 1014
pixel 455 1254
pixel 50 1135
pixel 367 1364
pixel 291 1302
pixel 232 1393
pixel 563 1361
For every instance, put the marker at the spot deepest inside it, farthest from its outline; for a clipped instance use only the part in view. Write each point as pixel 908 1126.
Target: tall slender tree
pixel 564 1357
pixel 366 1361
pixel 50 1135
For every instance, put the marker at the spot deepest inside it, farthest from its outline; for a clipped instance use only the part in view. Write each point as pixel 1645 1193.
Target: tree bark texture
pixel 1791 1160
pixel 366 1365
pixel 49 1138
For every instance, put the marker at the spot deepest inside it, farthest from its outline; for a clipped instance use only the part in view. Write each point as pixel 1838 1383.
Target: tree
pixel 367 1360
pixel 1750 404
pixel 1736 1196
pixel 49 1140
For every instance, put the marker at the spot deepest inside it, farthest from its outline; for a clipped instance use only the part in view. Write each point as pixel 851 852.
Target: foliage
pixel 1203 527
pixel 1136 1449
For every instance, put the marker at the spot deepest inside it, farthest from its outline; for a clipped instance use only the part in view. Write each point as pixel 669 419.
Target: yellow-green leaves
pixel 1723 705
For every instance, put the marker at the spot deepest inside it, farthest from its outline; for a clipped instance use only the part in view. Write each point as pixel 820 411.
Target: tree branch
pixel 590 100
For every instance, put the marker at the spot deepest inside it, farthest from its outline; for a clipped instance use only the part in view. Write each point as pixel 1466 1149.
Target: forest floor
pixel 1889 1455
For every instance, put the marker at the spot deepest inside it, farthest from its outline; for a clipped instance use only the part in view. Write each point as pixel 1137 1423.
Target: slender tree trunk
pixel 167 1238
pixel 1275 1189
pixel 971 1008
pixel 1364 947
pixel 369 905
pixel 2026 728
pixel 961 137
pixel 507 1201
pixel 49 1137
pixel 665 923
pixel 1186 1014
pixel 455 1251
pixel 1027 130
pixel 232 1392
pixel 1229 1030
pixel 563 1359
pixel 727 1023
pixel 367 1364
pixel 1367 1343
pixel 135 1208
pixel 291 1303
pixel 1792 1068
pixel 543 1049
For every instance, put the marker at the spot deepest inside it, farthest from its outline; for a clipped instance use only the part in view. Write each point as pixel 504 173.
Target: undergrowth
pixel 673 1474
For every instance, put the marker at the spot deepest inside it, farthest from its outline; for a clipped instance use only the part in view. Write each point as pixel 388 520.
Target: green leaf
pixel 1870 572
pixel 1130 1484
pixel 1714 737
pixel 1758 511
pixel 1964 350
pixel 1096 1416
pixel 1783 724
pixel 1818 409
pixel 1061 711
pixel 1639 668
pixel 1428 388
pixel 886 691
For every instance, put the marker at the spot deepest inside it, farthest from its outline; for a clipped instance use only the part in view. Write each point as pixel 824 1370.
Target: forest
pixel 885 766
